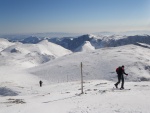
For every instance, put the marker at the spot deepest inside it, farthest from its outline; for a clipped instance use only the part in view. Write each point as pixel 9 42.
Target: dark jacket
pixel 120 71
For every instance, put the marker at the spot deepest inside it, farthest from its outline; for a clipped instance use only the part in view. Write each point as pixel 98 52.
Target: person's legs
pixel 119 78
pixel 122 85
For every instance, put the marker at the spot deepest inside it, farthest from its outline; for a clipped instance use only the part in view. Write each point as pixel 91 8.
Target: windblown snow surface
pixel 61 90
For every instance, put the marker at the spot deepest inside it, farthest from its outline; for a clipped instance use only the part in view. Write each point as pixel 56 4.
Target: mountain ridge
pixel 97 41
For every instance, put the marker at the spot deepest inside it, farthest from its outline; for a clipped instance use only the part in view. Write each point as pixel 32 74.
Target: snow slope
pixel 85 47
pixel 99 96
pixel 4 43
pixel 98 64
pixel 29 55
pixel 55 49
pixel 60 93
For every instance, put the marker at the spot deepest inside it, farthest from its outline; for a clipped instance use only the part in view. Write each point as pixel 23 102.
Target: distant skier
pixel 40 82
pixel 120 71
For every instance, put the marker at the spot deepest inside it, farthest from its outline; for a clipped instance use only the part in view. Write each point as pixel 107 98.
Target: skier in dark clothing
pixel 120 71
pixel 40 82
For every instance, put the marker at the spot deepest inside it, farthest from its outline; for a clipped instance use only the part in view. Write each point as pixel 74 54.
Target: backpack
pixel 118 69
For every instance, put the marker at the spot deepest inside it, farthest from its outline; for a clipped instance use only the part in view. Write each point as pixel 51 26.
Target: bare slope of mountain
pixel 98 64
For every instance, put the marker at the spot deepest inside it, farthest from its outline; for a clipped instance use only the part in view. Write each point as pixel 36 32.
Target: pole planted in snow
pixel 81 79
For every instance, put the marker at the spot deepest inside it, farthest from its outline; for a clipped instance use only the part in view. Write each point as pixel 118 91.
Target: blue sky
pixel 74 16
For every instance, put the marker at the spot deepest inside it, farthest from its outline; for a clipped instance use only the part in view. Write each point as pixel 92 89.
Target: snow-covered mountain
pixel 98 64
pixel 4 43
pixel 97 41
pixel 55 49
pixel 23 65
pixel 31 40
pixel 100 41
pixel 31 54
pixel 85 47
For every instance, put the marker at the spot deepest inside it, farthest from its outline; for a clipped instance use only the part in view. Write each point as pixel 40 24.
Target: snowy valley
pixel 56 61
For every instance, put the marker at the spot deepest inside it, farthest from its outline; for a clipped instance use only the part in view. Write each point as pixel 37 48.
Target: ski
pixel 120 89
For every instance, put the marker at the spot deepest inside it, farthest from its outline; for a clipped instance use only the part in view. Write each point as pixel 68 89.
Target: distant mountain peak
pixel 85 47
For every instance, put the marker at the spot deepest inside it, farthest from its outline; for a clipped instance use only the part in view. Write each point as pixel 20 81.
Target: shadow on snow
pixel 7 92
